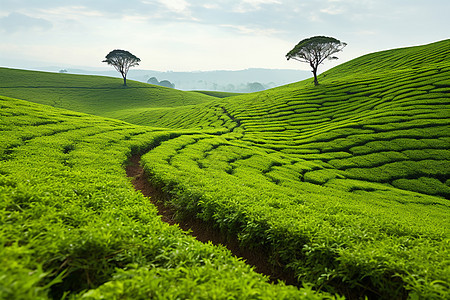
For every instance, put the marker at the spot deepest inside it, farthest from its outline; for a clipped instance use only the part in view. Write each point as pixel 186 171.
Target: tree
pixel 255 87
pixel 167 83
pixel 153 80
pixel 315 50
pixel 122 61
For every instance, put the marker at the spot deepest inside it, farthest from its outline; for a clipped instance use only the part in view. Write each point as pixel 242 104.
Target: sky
pixel 202 35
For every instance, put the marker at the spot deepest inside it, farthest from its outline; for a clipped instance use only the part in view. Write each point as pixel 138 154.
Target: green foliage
pixel 345 185
pixel 122 61
pixel 72 226
pixel 218 94
pixel 315 50
pixel 327 178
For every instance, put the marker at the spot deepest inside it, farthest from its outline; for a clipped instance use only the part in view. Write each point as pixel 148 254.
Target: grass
pixel 346 185
pixel 98 95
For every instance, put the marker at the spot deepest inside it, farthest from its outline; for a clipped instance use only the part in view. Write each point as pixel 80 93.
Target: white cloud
pixel 211 5
pixel 314 17
pixel 253 5
pixel 259 2
pixel 72 12
pixel 333 10
pixel 247 30
pixel 135 18
pixel 204 34
pixel 178 6
pixel 16 22
pixel 171 10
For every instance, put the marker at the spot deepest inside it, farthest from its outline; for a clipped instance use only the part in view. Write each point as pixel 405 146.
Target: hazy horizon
pixel 181 35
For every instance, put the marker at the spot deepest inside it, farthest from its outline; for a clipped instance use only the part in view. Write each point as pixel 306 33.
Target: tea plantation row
pixel 345 184
pixel 72 226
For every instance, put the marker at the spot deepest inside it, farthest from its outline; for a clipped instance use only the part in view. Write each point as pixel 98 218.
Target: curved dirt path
pixel 258 258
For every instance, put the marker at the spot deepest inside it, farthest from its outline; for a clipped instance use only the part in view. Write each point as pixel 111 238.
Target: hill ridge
pixel 345 185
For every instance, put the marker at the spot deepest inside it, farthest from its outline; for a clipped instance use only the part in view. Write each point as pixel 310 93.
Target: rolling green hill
pixel 389 126
pixel 333 180
pixel 98 95
pixel 345 185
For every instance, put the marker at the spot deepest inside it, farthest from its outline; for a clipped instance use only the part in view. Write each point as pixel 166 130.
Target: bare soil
pixel 204 232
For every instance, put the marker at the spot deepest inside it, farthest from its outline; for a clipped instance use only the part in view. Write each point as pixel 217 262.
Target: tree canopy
pixel 166 83
pixel 315 50
pixel 122 61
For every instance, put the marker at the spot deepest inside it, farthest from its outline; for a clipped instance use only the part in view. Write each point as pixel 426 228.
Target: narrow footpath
pixel 200 230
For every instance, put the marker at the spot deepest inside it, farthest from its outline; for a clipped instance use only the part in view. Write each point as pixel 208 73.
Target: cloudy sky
pixel 189 35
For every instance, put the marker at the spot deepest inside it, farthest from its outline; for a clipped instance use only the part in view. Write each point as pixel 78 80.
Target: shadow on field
pixel 204 232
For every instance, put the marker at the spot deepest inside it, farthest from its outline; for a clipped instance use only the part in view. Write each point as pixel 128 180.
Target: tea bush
pixel 344 185
pixel 72 226
pixel 337 181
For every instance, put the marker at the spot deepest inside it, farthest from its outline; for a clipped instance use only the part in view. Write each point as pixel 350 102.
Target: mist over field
pixel 228 81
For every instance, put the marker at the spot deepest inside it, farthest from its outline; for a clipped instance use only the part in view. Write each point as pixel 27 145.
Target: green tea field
pixel 344 186
pixel 73 226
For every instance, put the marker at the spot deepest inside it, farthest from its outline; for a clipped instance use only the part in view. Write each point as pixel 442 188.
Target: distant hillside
pixel 227 81
pixel 99 95
pixel 383 118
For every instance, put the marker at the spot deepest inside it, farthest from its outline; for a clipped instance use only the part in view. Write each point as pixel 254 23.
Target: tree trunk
pixel 124 76
pixel 316 82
